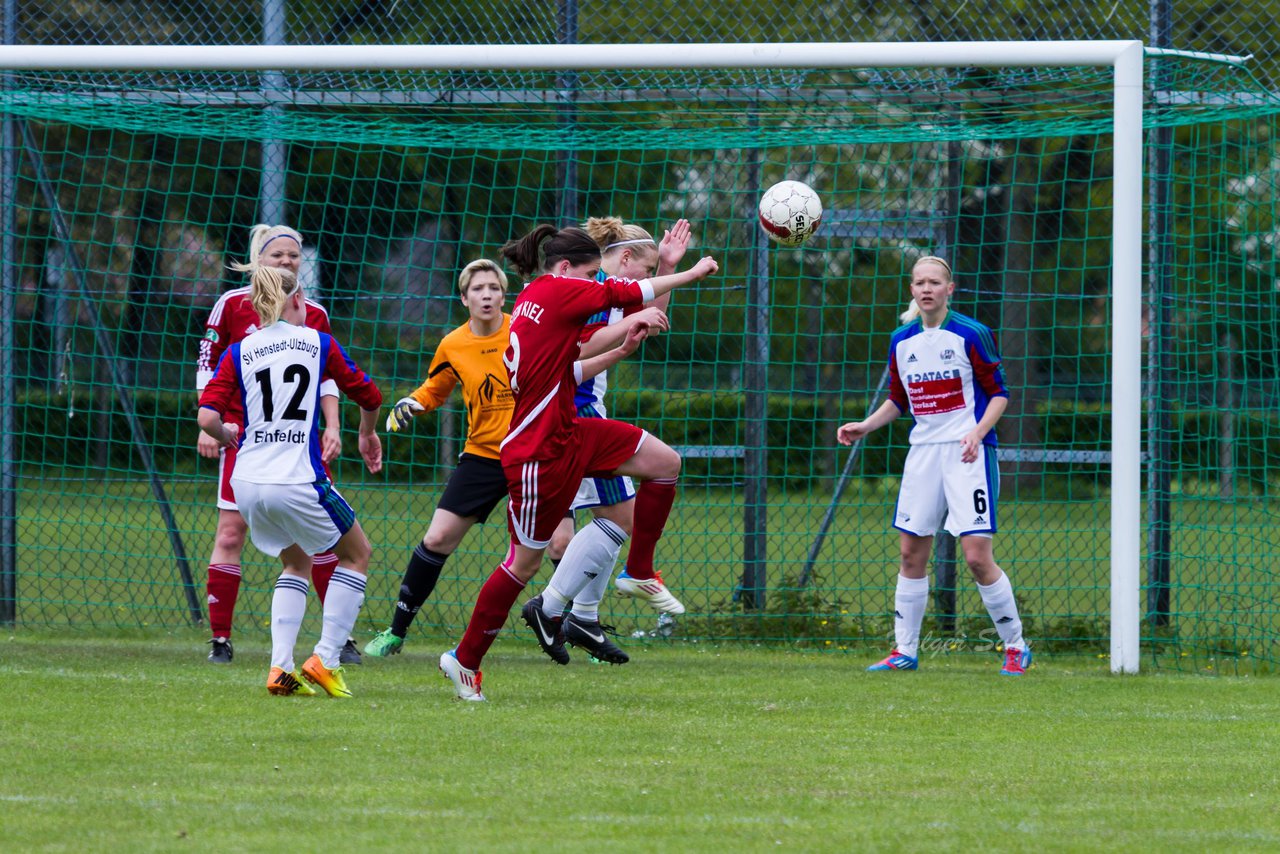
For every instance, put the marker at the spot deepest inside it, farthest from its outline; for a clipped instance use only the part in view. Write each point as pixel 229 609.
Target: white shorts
pixel 936 485
pixel 312 515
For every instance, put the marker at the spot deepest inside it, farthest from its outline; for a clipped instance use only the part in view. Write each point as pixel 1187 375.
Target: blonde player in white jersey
pixel 281 486
pixel 944 369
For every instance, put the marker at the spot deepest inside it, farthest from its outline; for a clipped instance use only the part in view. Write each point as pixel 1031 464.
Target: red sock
pixel 223 588
pixel 322 567
pixel 653 505
pixel 493 604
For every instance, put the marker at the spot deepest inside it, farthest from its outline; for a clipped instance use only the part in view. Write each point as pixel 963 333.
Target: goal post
pixel 1125 58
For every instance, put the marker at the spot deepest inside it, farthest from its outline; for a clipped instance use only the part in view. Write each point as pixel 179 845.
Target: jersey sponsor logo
pixel 935 392
pixel 211 335
pixel 490 350
pixel 531 310
pixel 493 387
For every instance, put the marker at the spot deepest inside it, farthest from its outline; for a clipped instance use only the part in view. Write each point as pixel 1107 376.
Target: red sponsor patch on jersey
pixel 932 397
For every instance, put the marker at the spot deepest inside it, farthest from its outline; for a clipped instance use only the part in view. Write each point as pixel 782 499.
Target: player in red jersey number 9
pixel 548 450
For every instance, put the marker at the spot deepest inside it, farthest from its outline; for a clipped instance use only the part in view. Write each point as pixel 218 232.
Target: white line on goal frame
pixel 1125 57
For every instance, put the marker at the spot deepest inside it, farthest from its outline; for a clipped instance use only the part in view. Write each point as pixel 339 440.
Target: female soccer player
pixel 627 252
pixel 945 370
pixel 233 317
pixel 548 451
pixel 285 494
pixel 470 356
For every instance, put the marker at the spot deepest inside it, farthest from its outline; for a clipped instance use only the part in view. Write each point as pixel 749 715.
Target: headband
pixel 936 260
pixel 277 237
pixel 630 242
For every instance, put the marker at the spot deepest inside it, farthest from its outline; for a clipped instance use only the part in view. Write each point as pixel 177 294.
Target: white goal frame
pixel 1125 57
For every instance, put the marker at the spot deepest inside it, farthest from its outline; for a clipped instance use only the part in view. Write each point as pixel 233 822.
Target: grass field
pixel 94 554
pixel 132 744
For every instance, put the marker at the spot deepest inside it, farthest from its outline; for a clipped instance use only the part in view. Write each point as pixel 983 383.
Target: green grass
pixel 138 745
pixel 95 554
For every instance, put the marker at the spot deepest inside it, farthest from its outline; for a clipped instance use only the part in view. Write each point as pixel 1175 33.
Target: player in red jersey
pixel 548 450
pixel 233 318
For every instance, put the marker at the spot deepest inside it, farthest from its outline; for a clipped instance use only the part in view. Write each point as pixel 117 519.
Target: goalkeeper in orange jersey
pixel 470 356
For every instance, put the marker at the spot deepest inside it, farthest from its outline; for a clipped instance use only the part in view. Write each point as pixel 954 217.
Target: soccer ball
pixel 790 212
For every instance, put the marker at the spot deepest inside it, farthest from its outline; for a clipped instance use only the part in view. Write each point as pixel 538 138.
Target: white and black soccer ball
pixel 790 212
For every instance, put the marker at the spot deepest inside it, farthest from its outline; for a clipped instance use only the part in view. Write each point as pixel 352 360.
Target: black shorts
pixel 475 487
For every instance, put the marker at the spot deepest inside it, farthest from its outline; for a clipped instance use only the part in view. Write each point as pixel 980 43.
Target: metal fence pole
pixel 8 382
pixel 272 204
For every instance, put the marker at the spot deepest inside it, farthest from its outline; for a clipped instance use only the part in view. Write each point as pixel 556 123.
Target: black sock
pixel 420 579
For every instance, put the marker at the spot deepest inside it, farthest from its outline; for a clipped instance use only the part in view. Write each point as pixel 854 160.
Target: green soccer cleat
pixel 384 643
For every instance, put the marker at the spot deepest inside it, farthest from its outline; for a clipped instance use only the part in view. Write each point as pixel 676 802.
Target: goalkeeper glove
pixel 402 414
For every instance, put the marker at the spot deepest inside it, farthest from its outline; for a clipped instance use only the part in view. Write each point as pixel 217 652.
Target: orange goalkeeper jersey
pixel 476 363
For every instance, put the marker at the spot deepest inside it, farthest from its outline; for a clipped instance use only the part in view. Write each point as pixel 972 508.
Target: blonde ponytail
pixel 259 236
pixel 269 289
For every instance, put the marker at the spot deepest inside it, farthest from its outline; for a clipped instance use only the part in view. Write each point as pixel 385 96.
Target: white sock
pixel 909 603
pixel 341 607
pixel 998 597
pixel 592 553
pixel 288 607
pixel 586 605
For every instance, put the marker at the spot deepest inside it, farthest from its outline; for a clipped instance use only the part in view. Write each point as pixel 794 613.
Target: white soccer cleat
pixel 651 590
pixel 465 682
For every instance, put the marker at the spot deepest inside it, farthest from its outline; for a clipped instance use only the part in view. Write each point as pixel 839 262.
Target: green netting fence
pixel 133 192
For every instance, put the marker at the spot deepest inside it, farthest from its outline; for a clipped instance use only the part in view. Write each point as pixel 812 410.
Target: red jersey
pixel 546 333
pixel 232 320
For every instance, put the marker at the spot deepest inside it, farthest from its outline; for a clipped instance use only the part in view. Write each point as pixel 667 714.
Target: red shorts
pixel 226 465
pixel 542 491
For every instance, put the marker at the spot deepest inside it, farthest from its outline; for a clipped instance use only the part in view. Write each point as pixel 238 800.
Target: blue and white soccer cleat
pixel 896 661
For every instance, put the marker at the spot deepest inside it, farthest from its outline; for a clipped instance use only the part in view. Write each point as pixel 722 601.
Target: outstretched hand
pixel 675 240
pixel 705 267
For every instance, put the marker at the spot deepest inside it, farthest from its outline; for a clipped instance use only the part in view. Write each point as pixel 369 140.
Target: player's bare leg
pixel 657 466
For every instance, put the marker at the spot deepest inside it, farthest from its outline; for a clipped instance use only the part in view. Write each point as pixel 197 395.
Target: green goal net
pixel 129 193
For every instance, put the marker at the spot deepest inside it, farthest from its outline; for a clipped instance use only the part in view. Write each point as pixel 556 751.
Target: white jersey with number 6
pixel 276 372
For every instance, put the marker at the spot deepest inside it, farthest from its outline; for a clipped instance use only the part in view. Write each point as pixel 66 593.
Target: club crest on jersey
pixel 947 355
pixel 211 335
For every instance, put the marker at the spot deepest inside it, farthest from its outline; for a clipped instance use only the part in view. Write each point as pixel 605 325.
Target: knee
pixel 432 541
pixel 670 465
pixel 230 535
pixel 354 552
pixel 559 542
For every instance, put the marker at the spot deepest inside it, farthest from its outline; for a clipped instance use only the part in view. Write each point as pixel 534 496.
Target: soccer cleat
pixel 384 643
pixel 594 638
pixel 282 683
pixel 651 590
pixel 1016 662
pixel 349 654
pixel 896 661
pixel 330 680
pixel 548 630
pixel 465 682
pixel 221 651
